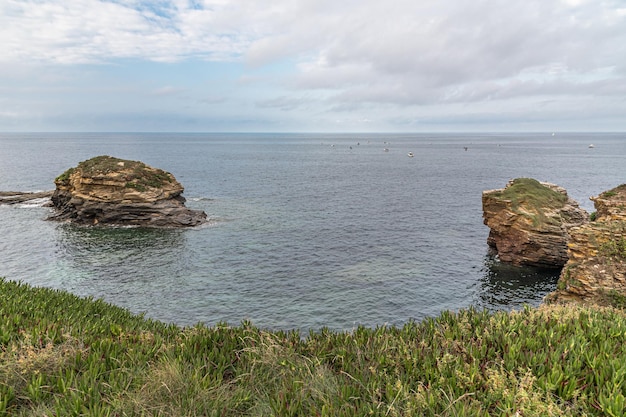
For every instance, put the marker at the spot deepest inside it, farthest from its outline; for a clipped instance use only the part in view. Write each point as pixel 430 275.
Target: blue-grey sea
pixel 306 230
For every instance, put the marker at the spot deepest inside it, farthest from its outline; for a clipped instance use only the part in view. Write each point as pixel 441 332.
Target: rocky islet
pixel 529 222
pixel 108 190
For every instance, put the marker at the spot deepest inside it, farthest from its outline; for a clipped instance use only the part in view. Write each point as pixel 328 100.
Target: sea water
pixel 306 230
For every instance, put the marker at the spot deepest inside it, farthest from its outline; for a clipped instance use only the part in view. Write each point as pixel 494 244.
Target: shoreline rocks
pixel 108 190
pixel 529 222
pixel 18 197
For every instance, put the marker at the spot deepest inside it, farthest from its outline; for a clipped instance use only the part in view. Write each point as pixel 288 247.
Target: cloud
pixel 286 103
pixel 168 91
pixel 431 51
pixel 88 31
pixel 318 57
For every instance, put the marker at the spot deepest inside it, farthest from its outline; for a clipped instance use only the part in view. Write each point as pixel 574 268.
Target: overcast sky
pixel 313 65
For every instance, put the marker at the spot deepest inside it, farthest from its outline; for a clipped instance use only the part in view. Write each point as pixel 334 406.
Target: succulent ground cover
pixel 64 355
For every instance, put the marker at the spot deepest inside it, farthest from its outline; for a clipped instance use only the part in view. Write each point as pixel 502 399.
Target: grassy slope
pixel 530 198
pixel 63 355
pixel 533 194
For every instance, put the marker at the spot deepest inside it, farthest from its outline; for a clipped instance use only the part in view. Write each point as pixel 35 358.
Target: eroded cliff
pixel 529 222
pixel 596 269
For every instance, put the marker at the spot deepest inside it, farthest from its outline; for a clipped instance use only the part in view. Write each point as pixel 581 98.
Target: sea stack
pixel 596 270
pixel 113 191
pixel 529 222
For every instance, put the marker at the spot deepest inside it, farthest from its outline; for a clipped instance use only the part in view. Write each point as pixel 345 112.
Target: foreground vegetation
pixel 62 355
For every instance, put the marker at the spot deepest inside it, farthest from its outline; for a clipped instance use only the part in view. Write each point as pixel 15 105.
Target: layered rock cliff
pixel 107 190
pixel 529 222
pixel 596 269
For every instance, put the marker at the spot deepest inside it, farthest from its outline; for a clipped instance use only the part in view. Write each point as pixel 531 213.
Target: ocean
pixel 306 231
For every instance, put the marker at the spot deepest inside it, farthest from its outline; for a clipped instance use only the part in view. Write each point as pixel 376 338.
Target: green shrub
pixel 65 177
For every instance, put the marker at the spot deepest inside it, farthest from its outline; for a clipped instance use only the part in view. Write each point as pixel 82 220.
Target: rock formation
pixel 529 222
pixel 107 190
pixel 596 269
pixel 18 197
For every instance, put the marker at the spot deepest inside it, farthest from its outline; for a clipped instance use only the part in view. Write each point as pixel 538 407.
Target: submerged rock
pixel 107 190
pixel 529 222
pixel 596 269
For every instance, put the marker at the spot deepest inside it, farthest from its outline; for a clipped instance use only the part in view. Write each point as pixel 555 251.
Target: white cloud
pixel 84 31
pixel 328 56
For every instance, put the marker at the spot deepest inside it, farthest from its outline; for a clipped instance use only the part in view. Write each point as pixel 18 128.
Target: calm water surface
pixel 306 231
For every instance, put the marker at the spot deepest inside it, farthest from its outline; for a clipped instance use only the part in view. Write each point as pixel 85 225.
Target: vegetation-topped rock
pixel 108 190
pixel 529 222
pixel 106 178
pixel 611 205
pixel 596 269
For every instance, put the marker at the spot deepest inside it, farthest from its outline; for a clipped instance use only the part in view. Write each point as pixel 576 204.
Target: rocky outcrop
pixel 18 197
pixel 529 222
pixel 107 190
pixel 596 269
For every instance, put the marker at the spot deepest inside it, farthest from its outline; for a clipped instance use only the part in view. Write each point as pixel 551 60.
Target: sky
pixel 312 65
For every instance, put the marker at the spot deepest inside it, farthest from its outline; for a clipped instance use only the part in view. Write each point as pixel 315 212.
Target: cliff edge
pixel 108 190
pixel 529 222
pixel 596 269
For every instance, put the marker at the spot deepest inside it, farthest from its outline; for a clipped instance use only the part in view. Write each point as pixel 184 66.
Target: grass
pixel 532 193
pixel 65 355
pixel 139 176
pixel 620 190
pixel 534 197
pixel 614 248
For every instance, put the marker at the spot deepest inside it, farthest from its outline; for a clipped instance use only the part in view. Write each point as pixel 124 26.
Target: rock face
pixel 529 222
pixel 596 270
pixel 107 190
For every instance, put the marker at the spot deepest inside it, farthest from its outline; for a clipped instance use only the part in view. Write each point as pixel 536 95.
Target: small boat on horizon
pixel 591 145
pixel 410 154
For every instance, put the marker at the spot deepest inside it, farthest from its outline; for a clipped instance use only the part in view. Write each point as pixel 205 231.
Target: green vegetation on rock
pixel 65 177
pixel 614 248
pixel 620 190
pixel 65 355
pixel 534 197
pixel 531 193
pixel 139 175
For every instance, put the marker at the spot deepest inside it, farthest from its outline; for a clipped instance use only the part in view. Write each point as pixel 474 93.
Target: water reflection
pixel 121 254
pixel 78 238
pixel 505 287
